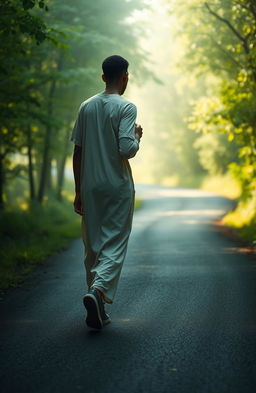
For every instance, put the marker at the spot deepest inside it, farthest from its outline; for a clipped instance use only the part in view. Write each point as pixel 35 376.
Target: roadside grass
pixel 29 237
pixel 138 203
pixel 242 219
pixel 30 234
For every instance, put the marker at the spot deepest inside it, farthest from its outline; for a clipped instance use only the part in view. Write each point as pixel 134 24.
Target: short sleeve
pixel 76 135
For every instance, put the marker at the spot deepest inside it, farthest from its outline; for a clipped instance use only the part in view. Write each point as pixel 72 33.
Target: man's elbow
pixel 128 148
pixel 128 153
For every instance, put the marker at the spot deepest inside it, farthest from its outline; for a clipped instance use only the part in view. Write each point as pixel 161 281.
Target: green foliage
pixel 222 184
pixel 220 40
pixel 28 237
pixel 49 63
pixel 243 219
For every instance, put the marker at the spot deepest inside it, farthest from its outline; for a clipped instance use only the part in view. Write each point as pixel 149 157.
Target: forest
pixel 193 78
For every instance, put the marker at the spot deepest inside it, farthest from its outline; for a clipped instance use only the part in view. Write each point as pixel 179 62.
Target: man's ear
pixel 125 77
pixel 103 78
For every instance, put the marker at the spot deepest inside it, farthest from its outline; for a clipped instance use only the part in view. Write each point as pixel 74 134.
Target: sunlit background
pixel 157 98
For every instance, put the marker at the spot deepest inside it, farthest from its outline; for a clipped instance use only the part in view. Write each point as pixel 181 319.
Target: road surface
pixel 184 317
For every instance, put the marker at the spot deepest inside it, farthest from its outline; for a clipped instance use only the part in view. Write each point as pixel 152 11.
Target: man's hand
pixel 78 205
pixel 138 130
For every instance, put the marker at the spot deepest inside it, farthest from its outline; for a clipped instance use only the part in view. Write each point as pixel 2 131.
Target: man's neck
pixel 112 90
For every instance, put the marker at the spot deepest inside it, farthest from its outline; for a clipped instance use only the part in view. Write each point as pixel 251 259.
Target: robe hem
pixel 105 298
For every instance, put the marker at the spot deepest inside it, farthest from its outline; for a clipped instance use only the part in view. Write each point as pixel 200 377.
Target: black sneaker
pixel 95 309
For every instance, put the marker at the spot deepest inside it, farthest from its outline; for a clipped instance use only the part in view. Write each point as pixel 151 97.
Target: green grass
pixel 243 218
pixel 138 203
pixel 29 237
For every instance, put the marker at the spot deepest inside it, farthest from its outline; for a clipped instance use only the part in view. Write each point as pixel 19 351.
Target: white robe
pixel 105 130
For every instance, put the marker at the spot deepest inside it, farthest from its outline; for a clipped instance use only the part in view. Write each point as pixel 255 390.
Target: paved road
pixel 184 318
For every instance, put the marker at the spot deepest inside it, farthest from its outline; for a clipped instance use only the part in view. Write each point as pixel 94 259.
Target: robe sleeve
pixel 128 143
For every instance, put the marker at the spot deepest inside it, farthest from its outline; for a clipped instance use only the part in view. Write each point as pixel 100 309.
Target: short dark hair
pixel 113 67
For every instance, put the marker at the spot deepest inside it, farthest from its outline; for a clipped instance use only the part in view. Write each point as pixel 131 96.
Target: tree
pixel 52 65
pixel 19 29
pixel 220 40
pixel 75 75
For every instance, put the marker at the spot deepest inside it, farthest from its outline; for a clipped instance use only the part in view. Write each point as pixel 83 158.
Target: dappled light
pixel 174 193
pixel 193 222
pixel 239 250
pixel 124 320
pixel 203 212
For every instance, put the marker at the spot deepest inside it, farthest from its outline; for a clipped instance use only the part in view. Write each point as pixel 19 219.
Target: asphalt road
pixel 184 317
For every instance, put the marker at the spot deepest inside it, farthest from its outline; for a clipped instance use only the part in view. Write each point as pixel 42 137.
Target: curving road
pixel 184 318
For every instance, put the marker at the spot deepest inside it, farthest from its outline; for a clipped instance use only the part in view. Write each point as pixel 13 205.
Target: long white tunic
pixel 105 130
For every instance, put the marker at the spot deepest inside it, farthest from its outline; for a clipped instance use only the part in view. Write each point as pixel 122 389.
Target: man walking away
pixel 105 137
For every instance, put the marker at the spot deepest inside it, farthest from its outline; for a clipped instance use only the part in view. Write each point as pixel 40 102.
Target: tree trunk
pixel 48 180
pixel 47 144
pixel 46 162
pixel 1 182
pixel 62 163
pixel 60 178
pixel 30 167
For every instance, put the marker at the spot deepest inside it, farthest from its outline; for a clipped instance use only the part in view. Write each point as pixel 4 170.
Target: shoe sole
pixel 93 318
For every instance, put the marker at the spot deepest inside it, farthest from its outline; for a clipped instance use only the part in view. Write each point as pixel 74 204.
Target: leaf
pixel 28 4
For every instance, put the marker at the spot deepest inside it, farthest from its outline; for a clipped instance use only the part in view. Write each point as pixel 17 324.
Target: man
pixel 105 137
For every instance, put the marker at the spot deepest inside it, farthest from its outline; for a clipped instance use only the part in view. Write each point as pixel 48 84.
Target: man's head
pixel 115 73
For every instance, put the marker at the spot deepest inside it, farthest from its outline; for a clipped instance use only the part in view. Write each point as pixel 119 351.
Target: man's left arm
pixel 77 157
pixel 76 137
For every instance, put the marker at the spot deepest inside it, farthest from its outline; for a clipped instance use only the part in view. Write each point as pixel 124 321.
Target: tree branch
pixel 230 26
pixel 249 8
pixel 253 9
pixel 227 54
